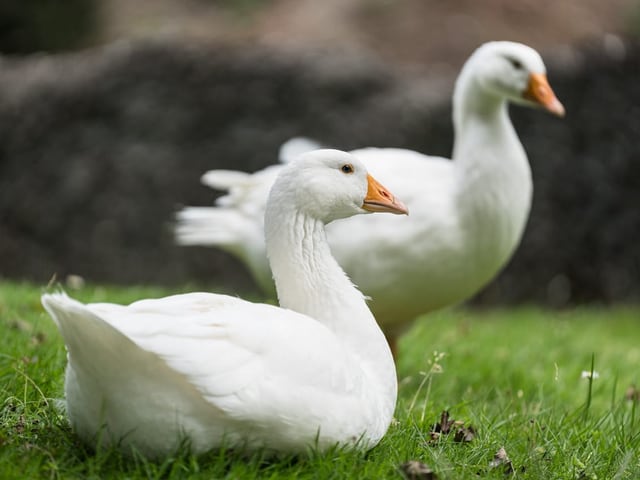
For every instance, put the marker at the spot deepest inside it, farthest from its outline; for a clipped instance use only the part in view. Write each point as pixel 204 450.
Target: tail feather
pixel 225 179
pixel 246 192
pixel 83 331
pixel 105 370
pixel 232 231
pixel 211 226
pixel 235 223
pixel 98 352
pixel 296 146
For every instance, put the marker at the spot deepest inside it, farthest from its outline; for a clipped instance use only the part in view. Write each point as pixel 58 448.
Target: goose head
pixel 331 184
pixel 513 71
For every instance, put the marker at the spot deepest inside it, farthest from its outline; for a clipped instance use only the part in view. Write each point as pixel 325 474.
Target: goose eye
pixel 347 168
pixel 517 64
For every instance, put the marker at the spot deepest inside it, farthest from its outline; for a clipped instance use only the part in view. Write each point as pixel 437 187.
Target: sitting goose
pixel 218 370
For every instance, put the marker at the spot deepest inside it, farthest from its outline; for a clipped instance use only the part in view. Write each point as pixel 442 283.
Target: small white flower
pixel 587 374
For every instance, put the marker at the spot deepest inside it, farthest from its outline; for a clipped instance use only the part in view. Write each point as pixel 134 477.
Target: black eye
pixel 517 64
pixel 347 168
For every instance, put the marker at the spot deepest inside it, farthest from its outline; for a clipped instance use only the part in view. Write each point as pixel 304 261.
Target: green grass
pixel 513 374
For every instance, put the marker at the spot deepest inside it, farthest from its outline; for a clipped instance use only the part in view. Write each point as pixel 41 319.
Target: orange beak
pixel 539 91
pixel 379 199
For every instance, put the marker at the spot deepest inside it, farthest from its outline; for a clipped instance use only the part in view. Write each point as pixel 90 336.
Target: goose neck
pixel 485 140
pixel 494 186
pixel 475 109
pixel 307 277
pixel 309 280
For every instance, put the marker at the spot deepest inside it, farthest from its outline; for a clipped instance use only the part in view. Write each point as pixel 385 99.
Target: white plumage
pixel 218 370
pixel 467 215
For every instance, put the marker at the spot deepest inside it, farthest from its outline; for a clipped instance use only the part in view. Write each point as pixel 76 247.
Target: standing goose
pixel 467 214
pixel 218 370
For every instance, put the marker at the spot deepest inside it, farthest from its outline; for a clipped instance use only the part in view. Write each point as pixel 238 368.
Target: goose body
pixel 220 371
pixel 467 214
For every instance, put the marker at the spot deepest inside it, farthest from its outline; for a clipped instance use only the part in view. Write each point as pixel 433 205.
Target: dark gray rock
pixel 99 148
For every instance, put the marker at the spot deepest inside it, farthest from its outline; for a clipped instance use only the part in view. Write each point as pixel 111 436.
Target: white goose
pixel 467 215
pixel 222 371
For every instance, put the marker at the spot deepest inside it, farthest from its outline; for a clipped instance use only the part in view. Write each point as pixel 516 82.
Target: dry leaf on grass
pixel 447 425
pixel 502 459
pixel 415 470
pixel 19 426
pixel 465 434
pixel 39 338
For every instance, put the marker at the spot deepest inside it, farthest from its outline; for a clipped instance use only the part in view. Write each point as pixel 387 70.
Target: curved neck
pixel 494 186
pixel 310 281
pixel 481 119
pixel 486 148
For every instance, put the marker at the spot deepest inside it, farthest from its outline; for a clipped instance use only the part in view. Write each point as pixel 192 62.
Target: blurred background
pixel 110 110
